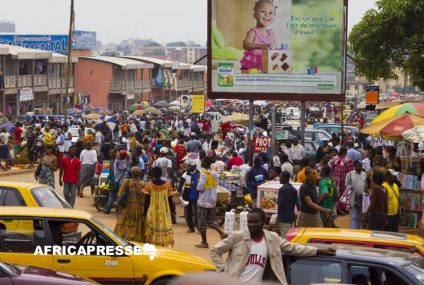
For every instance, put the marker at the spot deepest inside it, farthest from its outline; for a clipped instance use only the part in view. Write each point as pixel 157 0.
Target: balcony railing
pixel 10 82
pixel 39 81
pixel 132 85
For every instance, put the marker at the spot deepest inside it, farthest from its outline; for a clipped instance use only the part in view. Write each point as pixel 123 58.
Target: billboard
pixel 53 43
pixel 193 104
pixel 372 95
pixel 277 49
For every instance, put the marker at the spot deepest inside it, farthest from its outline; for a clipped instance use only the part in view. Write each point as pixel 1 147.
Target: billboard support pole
pixel 69 67
pixel 274 139
pixel 250 137
pixel 302 122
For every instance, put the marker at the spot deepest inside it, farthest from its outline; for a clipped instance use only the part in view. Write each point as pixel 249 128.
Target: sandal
pixel 224 236
pixel 202 245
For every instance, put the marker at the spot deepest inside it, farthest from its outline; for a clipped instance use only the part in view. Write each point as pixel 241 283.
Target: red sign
pixel 261 144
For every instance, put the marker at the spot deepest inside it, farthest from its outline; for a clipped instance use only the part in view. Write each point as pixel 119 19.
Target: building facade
pixel 32 79
pixel 113 82
pixel 172 79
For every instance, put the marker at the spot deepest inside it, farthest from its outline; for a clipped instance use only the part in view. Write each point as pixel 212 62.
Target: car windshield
pixel 47 197
pixel 416 269
pixel 9 269
pixel 110 232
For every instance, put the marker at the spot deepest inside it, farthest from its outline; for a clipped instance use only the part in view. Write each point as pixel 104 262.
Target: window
pixel 417 270
pixel 21 235
pixel 78 234
pixel 47 197
pixel 337 242
pixel 309 147
pixel 373 275
pixel 11 197
pixel 318 272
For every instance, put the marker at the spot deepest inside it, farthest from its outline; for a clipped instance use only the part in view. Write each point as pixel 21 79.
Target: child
pixel 97 172
pixel 260 37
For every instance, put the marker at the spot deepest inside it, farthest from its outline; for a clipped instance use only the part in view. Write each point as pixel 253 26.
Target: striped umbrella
pixel 394 127
pixel 415 135
pixel 411 108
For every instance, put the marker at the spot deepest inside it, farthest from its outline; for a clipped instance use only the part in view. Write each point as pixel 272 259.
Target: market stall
pixel 400 124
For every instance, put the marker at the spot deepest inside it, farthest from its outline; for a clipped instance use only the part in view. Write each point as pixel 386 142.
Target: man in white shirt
pixel 60 143
pixel 249 265
pixel 166 165
pixel 4 148
pixel 297 152
pixel 68 139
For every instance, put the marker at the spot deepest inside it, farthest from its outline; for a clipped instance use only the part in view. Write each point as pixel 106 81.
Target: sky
pixel 115 20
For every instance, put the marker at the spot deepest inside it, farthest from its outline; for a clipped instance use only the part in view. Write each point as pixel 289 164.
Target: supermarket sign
pixel 261 144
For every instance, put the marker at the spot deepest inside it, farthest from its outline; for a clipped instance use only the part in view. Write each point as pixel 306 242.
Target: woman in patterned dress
pixel 130 223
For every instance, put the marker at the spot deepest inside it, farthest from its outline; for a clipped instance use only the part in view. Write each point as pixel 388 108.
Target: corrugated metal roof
pixel 26 53
pixel 125 63
pixel 161 62
pixel 199 68
pixel 60 58
pixel 168 63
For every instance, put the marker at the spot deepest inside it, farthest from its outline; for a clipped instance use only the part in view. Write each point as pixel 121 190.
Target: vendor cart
pixel 101 192
pixel 267 201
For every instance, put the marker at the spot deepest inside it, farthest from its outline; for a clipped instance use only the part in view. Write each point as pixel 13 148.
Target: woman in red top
pixel 236 160
pixel 180 151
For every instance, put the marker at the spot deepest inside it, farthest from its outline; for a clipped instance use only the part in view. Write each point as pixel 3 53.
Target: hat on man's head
pixel 393 172
pixel 191 161
pixel 163 150
pixel 193 134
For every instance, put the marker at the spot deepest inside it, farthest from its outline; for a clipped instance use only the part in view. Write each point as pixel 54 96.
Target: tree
pixel 153 44
pixel 389 37
pixel 176 44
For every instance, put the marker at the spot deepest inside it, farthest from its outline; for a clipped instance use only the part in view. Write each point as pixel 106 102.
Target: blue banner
pixel 53 43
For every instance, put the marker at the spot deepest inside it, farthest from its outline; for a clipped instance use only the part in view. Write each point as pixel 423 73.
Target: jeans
pixel 70 191
pixel 393 223
pixel 190 211
pixel 112 197
pixel 355 218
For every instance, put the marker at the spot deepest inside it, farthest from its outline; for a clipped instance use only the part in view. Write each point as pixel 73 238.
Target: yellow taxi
pixel 374 239
pixel 30 194
pixel 86 257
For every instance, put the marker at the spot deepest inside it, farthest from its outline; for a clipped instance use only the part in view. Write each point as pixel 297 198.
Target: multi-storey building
pixel 32 79
pixel 113 82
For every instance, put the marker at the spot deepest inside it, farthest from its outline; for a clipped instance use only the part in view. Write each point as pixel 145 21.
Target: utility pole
pixel 69 69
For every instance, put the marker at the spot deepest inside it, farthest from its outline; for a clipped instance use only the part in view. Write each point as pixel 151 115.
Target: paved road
pixel 183 241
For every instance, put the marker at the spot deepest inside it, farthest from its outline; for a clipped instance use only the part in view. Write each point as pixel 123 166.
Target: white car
pixel 293 113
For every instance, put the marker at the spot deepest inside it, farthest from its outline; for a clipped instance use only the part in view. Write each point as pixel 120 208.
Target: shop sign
pixel 130 96
pixel 261 144
pixel 26 94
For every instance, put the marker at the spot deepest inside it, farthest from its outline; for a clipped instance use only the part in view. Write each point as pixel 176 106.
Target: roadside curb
pixel 16 172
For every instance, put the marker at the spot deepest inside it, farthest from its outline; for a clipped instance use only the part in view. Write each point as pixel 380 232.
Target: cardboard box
pixel 277 61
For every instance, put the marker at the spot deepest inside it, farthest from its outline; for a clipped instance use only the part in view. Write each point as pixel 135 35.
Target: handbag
pixel 123 198
pixel 345 198
pixel 38 170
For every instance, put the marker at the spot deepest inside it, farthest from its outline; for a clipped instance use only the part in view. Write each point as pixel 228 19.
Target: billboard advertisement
pixel 193 104
pixel 53 43
pixel 277 49
pixel 372 95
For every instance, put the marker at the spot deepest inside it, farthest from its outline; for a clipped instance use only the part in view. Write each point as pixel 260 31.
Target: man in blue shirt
pixel 255 177
pixel 286 201
pixel 188 190
pixel 352 153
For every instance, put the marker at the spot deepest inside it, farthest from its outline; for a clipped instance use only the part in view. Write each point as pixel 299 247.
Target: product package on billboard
pixel 277 47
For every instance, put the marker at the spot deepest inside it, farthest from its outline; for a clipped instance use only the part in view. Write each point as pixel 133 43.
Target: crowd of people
pixel 151 159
